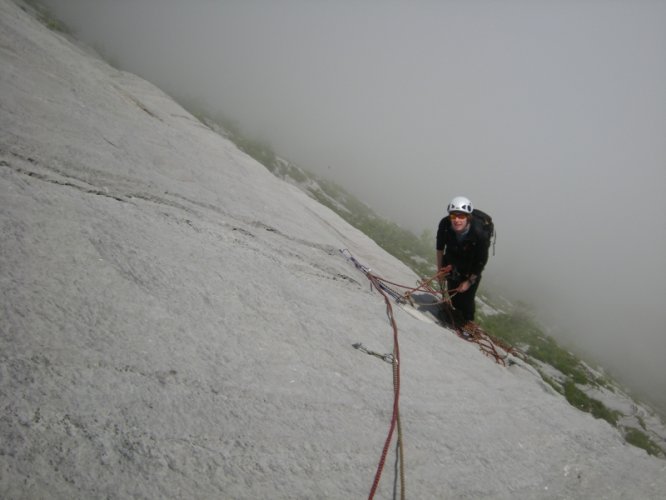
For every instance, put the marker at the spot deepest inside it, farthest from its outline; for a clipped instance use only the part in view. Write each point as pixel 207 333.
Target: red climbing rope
pixel 470 331
pixel 395 419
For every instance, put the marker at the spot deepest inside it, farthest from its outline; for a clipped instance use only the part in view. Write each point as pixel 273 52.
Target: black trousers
pixel 464 303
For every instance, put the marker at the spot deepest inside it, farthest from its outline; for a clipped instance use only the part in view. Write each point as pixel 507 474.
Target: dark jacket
pixel 469 256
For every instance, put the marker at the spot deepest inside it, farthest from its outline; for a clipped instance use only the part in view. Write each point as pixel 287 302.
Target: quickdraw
pixel 384 357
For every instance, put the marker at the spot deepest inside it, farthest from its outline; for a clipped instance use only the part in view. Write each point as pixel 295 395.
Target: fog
pixel 551 116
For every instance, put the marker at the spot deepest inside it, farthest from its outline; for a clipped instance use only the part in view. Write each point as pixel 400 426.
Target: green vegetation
pixel 641 440
pixel 583 402
pixel 641 422
pixel 551 382
pixel 519 328
pixel 604 382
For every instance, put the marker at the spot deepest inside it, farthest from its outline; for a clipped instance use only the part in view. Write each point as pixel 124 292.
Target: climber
pixel 462 243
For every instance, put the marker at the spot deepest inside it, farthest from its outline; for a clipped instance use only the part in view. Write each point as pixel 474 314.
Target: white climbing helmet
pixel 460 204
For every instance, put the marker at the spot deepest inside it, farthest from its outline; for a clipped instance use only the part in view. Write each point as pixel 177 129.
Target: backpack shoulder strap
pixel 485 227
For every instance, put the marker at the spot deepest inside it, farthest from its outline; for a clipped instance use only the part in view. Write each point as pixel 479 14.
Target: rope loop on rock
pixel 470 331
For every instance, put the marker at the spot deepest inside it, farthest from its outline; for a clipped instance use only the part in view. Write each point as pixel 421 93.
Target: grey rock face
pixel 178 323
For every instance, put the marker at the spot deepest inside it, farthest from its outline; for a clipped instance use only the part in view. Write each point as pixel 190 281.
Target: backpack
pixel 486 225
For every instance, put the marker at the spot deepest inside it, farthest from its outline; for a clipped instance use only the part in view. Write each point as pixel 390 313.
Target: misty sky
pixel 550 115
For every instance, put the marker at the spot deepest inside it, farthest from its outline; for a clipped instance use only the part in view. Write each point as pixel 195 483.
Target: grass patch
pixel 518 328
pixel 583 402
pixel 641 422
pixel 604 382
pixel 640 439
pixel 552 383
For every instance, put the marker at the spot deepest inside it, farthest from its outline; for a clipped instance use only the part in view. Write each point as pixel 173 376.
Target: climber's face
pixel 459 221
